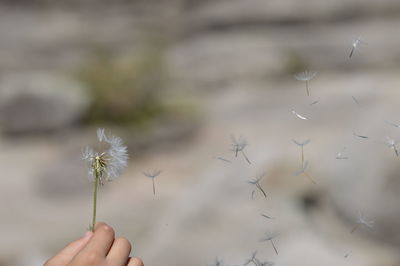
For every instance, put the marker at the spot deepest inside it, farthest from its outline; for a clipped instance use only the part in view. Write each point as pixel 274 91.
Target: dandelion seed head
pixel 305 75
pixel 363 220
pixel 391 142
pixel 256 180
pixel 111 162
pixel 152 174
pixel 238 144
pixel 298 143
pixel 268 237
pixel 357 42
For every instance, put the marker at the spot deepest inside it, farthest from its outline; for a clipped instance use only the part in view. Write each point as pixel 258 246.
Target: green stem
pixel 95 187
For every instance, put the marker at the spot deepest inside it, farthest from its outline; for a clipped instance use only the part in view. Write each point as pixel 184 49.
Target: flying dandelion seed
pixel 217 262
pixel 267 216
pixel 305 76
pixel 263 263
pixel 298 115
pixel 356 44
pixel 238 145
pixel 360 136
pixel 256 182
pixel 355 100
pixel 252 259
pixel 152 175
pixel 270 238
pixel 314 102
pixel 105 165
pixel 340 155
pixel 301 145
pixel 392 144
pixel 362 220
pixel 302 171
pixel 392 124
pixel 347 255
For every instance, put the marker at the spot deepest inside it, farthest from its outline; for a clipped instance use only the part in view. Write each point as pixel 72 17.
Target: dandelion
pixel 301 145
pixel 256 183
pixel 298 115
pixel 362 220
pixel 356 44
pixel 105 165
pixel 305 76
pixel 340 155
pixel 153 175
pixel 270 238
pixel 314 102
pixel 302 171
pixel 238 145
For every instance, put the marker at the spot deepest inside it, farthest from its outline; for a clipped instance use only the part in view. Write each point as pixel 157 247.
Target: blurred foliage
pixel 125 90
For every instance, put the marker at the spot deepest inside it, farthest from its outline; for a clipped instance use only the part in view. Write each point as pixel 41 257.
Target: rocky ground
pixel 236 59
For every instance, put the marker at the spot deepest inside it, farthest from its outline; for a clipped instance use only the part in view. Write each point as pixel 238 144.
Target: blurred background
pixel 176 79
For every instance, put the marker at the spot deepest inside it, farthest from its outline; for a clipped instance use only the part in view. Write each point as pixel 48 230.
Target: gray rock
pixel 37 102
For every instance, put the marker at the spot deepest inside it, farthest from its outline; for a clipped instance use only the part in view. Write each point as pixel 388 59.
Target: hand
pixel 96 249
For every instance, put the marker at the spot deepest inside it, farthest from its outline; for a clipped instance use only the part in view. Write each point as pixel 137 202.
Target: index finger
pixel 101 241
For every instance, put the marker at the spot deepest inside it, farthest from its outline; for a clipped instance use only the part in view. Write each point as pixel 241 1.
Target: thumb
pixel 69 251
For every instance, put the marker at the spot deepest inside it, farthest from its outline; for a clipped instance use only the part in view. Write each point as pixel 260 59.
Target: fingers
pixel 101 241
pixel 69 251
pixel 135 262
pixel 119 252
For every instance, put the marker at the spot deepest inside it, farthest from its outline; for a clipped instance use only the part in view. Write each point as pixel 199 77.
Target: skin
pixel 98 248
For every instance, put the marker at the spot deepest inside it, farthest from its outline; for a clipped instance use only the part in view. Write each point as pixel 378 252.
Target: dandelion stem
pixel 154 187
pixel 302 155
pixel 310 178
pixel 273 245
pixel 95 187
pixel 308 92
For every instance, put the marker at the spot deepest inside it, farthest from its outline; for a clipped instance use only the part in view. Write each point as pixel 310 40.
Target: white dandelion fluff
pixel 356 44
pixel 104 165
pixel 110 162
pixel 238 145
pixel 362 220
pixel 305 76
pixel 301 145
pixel 298 115
pixel 152 175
